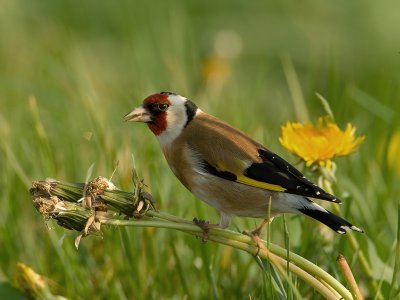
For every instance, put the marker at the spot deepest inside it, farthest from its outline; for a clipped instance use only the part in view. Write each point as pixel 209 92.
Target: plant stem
pixel 64 208
pixel 396 269
pixel 304 269
pixel 275 249
pixel 354 244
pixel 348 275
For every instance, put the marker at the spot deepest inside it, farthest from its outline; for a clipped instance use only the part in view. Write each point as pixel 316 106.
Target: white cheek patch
pixel 176 120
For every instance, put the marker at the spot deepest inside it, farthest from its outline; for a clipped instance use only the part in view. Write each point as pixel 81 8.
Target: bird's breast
pixel 179 163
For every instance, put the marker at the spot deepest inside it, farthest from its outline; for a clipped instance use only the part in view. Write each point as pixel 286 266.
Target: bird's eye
pixel 162 106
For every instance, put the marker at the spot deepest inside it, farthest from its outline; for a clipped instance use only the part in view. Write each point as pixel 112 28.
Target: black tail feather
pixel 331 220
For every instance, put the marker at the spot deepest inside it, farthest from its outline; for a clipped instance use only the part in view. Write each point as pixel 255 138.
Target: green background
pixel 70 71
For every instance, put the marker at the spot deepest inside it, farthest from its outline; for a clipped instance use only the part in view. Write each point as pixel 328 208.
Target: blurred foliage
pixel 70 70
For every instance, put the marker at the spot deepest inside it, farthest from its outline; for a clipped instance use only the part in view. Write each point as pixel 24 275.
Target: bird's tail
pixel 331 220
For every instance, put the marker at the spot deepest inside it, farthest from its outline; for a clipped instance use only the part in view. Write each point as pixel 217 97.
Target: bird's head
pixel 166 114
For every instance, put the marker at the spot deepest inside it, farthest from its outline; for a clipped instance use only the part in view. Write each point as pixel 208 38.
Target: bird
pixel 229 170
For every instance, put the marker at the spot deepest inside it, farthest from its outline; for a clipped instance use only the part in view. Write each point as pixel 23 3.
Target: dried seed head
pixel 40 189
pixel 46 206
pixel 98 185
pixel 82 206
pixel 94 189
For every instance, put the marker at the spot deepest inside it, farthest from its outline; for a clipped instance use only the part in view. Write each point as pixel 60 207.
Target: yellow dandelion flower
pixel 216 69
pixel 319 144
pixel 393 152
pixel 31 283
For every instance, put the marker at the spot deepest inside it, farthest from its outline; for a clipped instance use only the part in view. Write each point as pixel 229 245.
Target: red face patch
pixel 156 98
pixel 153 104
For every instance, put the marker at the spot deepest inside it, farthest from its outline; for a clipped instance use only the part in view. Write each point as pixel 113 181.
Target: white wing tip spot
pixel 343 229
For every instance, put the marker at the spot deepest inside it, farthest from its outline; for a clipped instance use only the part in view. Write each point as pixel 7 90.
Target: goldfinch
pixel 227 169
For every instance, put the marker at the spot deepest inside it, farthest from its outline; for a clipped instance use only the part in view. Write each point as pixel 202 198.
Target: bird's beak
pixel 139 114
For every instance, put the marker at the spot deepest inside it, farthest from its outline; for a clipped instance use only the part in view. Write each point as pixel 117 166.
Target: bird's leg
pixel 258 230
pixel 255 235
pixel 205 226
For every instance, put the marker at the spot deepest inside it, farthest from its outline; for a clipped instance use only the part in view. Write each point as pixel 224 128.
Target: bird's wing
pixel 275 170
pixel 228 153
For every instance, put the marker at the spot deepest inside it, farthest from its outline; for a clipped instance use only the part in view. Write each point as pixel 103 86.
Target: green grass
pixel 69 68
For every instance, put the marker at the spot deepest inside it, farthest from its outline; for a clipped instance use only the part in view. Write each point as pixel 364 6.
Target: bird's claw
pixel 255 236
pixel 205 226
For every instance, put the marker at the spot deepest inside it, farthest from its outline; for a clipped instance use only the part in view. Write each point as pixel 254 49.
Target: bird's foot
pixel 205 226
pixel 255 236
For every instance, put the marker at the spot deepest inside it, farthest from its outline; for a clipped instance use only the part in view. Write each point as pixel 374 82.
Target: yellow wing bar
pixel 260 184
